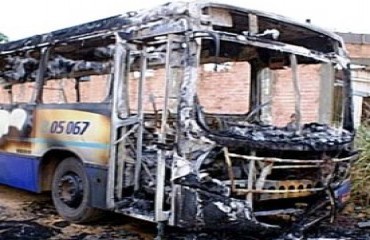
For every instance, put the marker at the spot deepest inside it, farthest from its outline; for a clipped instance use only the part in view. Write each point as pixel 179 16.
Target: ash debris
pixel 41 208
pixel 12 229
pixel 25 230
pixel 121 234
pixel 325 232
pixel 338 232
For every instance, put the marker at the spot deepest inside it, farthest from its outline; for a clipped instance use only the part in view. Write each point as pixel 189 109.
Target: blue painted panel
pixel 98 185
pixel 19 171
pixel 343 193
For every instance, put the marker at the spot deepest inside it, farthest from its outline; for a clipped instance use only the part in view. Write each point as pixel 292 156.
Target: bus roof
pixel 131 21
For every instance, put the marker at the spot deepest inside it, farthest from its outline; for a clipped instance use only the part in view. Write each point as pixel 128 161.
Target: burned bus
pixel 174 115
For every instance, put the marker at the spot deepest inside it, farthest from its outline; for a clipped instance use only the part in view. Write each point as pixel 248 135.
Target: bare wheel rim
pixel 70 190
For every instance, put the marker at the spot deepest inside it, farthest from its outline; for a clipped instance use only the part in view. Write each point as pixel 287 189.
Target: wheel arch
pixel 72 192
pixel 48 164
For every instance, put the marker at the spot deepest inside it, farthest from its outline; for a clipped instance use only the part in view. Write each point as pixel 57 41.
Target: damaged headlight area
pixel 250 169
pixel 263 177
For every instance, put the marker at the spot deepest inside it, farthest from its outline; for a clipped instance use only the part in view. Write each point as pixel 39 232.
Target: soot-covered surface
pixel 25 230
pixel 313 136
pixel 24 215
pixel 30 216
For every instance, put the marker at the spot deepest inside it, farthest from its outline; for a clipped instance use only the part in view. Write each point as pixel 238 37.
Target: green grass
pixel 361 168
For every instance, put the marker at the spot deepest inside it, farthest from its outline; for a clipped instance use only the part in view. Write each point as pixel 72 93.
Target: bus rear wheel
pixel 71 192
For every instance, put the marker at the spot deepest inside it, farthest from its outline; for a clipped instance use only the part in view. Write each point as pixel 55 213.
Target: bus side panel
pixel 98 185
pixel 19 171
pixel 83 132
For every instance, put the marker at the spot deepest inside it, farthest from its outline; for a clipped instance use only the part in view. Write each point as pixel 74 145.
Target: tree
pixel 3 38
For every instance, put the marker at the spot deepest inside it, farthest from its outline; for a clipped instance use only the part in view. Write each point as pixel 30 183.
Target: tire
pixel 71 192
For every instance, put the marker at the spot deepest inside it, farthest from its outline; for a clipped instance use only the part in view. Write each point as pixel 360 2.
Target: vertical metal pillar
pixel 251 178
pixel 140 109
pixel 297 93
pixel 161 163
pixel 37 94
pixel 120 52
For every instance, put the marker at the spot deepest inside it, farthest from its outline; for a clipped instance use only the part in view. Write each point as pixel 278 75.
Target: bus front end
pixel 265 124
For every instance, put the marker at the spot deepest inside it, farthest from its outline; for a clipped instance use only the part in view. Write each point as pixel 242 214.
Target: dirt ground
pixel 25 215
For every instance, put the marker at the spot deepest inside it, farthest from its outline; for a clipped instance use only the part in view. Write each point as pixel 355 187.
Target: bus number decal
pixel 69 128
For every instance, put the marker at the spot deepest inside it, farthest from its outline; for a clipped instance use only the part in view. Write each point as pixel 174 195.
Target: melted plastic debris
pixel 314 136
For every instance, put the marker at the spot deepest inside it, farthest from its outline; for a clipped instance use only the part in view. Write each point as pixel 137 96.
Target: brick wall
pixel 228 92
pixel 225 91
pixel 283 99
pixel 154 85
pixel 358 50
pixel 95 90
pixel 60 91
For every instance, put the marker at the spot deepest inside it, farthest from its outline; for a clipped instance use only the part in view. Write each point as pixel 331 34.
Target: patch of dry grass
pixel 361 168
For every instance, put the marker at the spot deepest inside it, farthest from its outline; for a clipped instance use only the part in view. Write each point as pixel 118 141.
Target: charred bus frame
pixel 187 172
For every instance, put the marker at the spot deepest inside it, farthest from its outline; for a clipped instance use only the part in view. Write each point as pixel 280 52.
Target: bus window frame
pixel 41 82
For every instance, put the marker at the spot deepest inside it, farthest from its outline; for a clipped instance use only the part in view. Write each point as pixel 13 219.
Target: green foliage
pixel 3 38
pixel 361 168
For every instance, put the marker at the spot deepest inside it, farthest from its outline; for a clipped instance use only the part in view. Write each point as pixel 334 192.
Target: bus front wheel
pixel 71 192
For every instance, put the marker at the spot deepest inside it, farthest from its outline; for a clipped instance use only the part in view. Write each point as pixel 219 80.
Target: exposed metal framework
pixel 179 167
